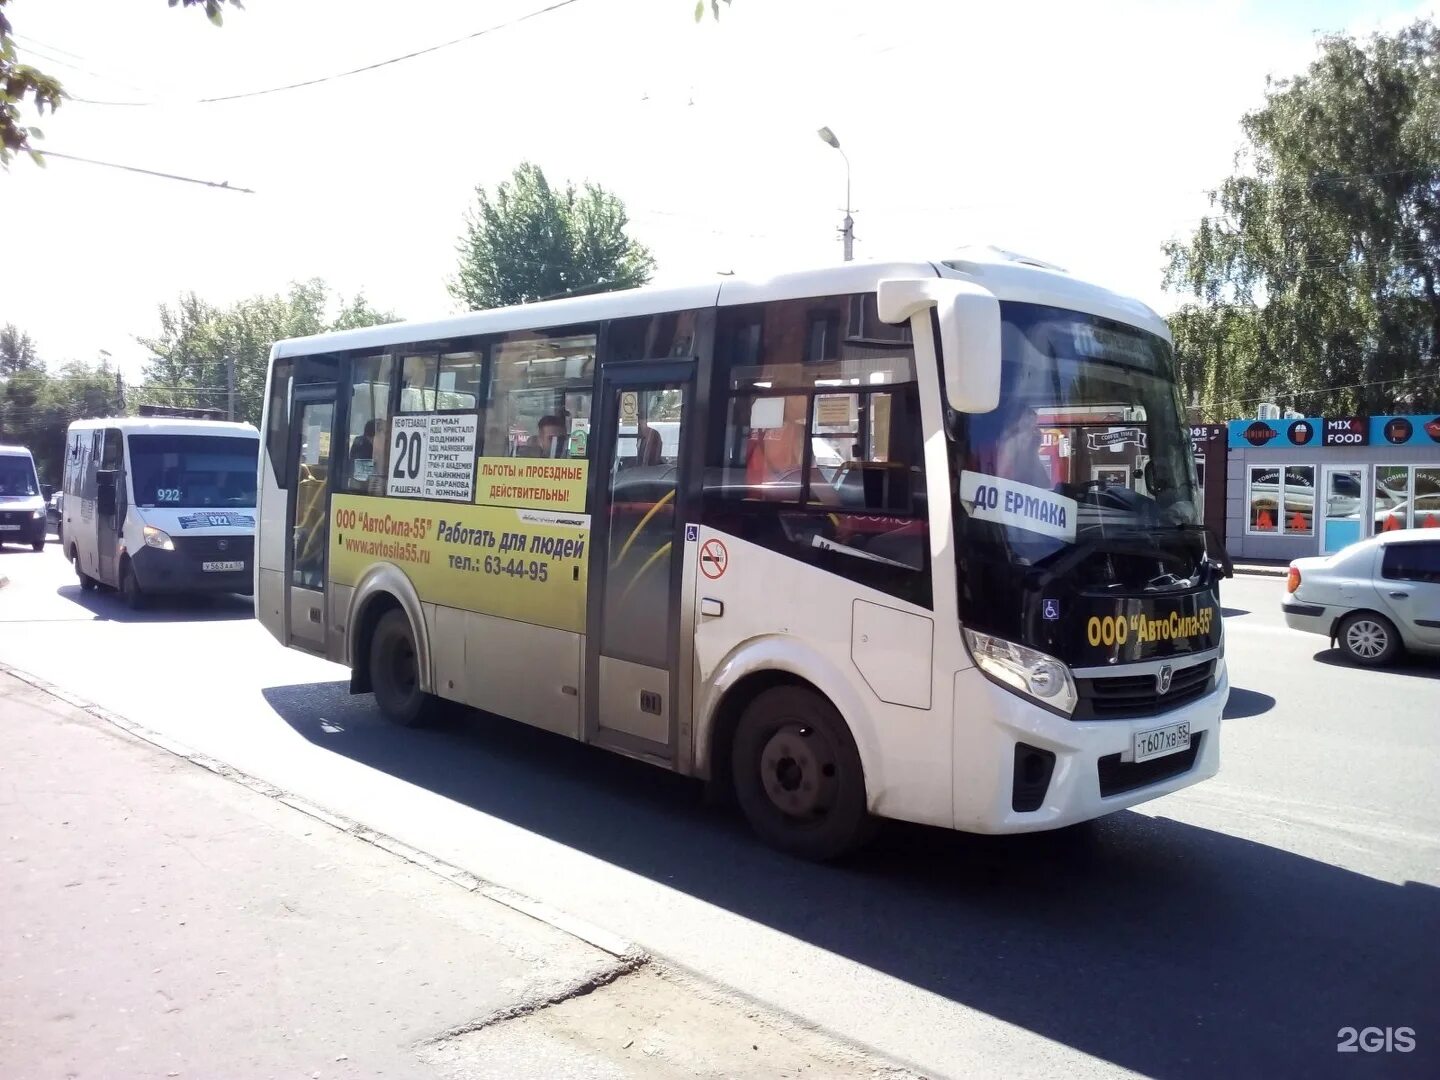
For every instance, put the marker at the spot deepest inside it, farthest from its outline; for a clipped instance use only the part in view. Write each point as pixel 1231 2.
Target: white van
pixel 22 506
pixel 161 505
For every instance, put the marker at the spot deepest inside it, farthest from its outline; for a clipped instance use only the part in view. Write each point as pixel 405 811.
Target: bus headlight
pixel 1024 670
pixel 158 538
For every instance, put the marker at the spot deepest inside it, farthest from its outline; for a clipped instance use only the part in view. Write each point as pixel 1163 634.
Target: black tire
pixel 37 545
pixel 798 777
pixel 87 583
pixel 130 589
pixel 1368 639
pixel 395 673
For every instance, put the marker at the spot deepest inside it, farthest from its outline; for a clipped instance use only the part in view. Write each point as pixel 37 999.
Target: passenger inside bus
pixel 1017 449
pixel 650 448
pixel 363 448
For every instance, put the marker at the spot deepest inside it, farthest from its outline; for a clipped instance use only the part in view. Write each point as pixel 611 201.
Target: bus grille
pixel 1118 697
pixel 1118 777
pixel 208 547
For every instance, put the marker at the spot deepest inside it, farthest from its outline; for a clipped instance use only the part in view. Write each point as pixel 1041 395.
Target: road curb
pixel 619 947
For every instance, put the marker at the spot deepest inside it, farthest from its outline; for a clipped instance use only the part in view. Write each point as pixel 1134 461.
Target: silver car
pixel 1375 599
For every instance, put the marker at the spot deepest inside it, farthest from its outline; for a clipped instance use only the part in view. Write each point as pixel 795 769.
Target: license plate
pixel 1157 742
pixel 209 567
pixel 9 528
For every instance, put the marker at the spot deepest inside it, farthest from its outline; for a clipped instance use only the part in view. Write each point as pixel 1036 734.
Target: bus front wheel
pixel 395 672
pixel 87 583
pixel 798 777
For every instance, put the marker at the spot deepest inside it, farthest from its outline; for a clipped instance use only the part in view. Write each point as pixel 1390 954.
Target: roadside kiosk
pixel 1312 485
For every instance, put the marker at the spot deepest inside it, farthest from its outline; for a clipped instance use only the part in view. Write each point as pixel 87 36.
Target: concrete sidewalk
pixel 159 920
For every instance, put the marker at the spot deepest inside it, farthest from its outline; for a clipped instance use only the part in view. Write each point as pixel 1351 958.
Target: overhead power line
pixel 1322 390
pixel 223 184
pixel 343 74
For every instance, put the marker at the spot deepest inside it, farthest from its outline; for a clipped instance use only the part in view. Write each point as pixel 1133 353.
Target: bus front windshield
pixel 17 478
pixel 1085 469
pixel 193 470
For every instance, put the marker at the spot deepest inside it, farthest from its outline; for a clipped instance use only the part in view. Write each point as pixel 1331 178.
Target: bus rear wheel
pixel 798 777
pixel 395 672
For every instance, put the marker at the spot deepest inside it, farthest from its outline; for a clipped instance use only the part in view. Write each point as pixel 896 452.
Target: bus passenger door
pixel 308 519
pixel 636 667
pixel 111 504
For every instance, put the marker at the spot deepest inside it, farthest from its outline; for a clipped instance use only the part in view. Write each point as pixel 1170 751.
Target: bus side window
pixel 815 447
pixel 367 439
pixel 540 395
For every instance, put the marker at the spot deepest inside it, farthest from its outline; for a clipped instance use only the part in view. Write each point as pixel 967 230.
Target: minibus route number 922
pixel 850 543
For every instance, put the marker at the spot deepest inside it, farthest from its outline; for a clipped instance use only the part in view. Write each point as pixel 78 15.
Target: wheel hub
pixel 1367 638
pixel 403 668
pixel 797 769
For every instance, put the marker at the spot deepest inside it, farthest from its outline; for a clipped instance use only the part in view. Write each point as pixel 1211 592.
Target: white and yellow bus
pixel 839 540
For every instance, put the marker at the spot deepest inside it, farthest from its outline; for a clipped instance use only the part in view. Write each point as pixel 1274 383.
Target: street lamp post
pixel 847 230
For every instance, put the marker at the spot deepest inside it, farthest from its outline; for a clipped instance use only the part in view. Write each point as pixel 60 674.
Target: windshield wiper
pixel 1110 545
pixel 1223 563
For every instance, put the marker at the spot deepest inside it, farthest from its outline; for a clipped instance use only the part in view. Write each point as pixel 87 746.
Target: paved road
pixel 1232 928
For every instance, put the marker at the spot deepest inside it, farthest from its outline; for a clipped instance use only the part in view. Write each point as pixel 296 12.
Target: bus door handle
pixel 711 607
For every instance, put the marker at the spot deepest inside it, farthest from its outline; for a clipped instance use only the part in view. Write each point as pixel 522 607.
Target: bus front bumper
pixel 1093 771
pixel 182 571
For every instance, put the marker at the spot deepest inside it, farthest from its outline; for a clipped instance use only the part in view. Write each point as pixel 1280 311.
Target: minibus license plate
pixel 222 566
pixel 9 528
pixel 1157 742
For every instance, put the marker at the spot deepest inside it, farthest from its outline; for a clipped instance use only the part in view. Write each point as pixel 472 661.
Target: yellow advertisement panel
pixel 542 483
pixel 512 562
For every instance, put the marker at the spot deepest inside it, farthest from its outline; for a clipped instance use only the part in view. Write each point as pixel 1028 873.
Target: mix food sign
pixel 1421 430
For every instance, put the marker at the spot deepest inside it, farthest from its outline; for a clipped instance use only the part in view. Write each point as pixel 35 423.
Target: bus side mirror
pixel 969 346
pixel 105 491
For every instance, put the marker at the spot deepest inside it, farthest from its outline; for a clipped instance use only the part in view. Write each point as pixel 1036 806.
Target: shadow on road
pixel 106 604
pixel 1233 612
pixel 1419 667
pixel 1167 949
pixel 1244 704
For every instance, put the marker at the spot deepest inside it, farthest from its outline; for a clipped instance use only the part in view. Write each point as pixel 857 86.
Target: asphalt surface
pixel 1235 928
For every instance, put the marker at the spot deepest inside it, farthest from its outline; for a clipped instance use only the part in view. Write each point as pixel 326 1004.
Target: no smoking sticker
pixel 713 559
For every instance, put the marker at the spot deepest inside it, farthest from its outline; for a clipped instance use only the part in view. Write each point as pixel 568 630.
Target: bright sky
pixel 1081 133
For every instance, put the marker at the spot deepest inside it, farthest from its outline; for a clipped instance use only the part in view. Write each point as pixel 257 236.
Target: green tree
pixel 21 81
pixel 17 351
pixel 197 341
pixel 1320 268
pixel 527 241
pixel 714 7
pixel 36 405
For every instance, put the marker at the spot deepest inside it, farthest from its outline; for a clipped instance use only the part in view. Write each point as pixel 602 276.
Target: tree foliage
pixel 17 351
pixel 197 339
pixel 527 241
pixel 1316 282
pixel 714 7
pixel 21 81
pixel 36 404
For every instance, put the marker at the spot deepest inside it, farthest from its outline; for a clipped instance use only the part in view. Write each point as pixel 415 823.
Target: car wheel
pixel 130 589
pixel 395 673
pixel 37 545
pixel 1368 639
pixel 798 776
